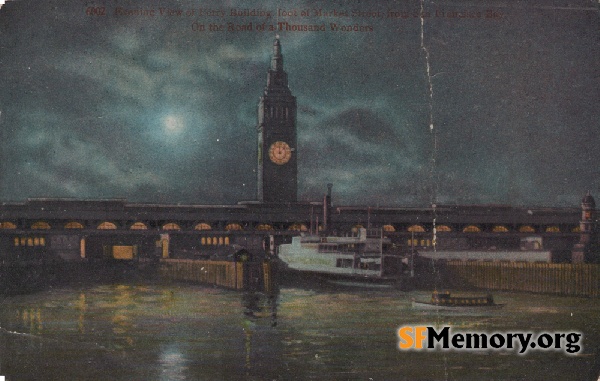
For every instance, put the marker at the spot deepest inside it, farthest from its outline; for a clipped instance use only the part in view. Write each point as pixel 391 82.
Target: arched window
pixel 73 225
pixel 263 227
pixel 7 225
pixel 526 229
pixel 138 226
pixel 202 226
pixel 389 228
pixel 472 229
pixel 233 226
pixel 107 226
pixel 298 227
pixel 443 228
pixel 576 229
pixel 552 229
pixel 40 225
pixel 356 227
pixel 500 229
pixel 416 229
pixel 171 226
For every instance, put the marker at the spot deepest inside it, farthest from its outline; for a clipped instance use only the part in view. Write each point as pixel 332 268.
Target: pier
pixel 233 275
pixel 549 278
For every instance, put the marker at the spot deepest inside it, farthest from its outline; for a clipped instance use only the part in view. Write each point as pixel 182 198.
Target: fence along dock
pixel 551 278
pixel 227 274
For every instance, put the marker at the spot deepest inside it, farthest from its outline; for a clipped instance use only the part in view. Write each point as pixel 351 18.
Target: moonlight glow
pixel 173 124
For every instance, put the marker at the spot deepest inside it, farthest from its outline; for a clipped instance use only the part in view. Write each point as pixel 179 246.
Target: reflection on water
pixel 185 332
pixel 173 363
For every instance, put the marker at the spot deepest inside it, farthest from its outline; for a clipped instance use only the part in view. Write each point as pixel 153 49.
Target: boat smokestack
pixel 327 209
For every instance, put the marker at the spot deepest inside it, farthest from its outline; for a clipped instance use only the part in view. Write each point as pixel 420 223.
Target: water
pixel 191 332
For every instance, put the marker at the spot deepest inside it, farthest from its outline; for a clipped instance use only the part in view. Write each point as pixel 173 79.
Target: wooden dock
pixel 227 274
pixel 550 278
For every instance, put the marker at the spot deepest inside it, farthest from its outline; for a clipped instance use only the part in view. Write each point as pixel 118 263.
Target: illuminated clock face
pixel 280 153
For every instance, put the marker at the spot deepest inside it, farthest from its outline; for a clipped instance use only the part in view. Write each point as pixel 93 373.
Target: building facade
pixel 277 148
pixel 92 229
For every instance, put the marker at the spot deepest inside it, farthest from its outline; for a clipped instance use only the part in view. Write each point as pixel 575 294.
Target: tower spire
pixel 277 81
pixel 277 60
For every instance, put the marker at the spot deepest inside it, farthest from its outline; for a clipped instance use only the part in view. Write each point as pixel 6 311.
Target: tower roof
pixel 589 199
pixel 277 60
pixel 277 81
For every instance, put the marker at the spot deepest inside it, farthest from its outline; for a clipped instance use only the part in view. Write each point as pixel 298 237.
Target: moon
pixel 173 124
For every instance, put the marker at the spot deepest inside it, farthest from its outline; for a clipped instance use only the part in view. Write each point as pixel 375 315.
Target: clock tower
pixel 277 155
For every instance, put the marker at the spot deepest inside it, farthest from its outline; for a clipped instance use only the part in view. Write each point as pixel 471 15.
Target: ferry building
pixel 95 229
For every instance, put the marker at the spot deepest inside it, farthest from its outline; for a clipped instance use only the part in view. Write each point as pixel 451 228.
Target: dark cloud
pixel 147 109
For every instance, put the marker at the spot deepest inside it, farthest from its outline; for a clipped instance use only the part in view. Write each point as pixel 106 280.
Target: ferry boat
pixel 445 301
pixel 365 255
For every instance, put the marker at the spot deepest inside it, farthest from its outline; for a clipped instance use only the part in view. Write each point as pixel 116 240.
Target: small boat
pixel 445 301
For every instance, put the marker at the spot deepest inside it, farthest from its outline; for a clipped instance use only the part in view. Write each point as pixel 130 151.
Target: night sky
pixel 146 108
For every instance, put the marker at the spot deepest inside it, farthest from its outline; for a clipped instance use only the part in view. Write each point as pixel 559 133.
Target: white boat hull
pixel 438 307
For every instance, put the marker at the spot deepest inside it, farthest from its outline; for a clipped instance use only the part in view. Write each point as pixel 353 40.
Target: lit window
pixel 7 225
pixel 416 229
pixel 526 229
pixel 40 225
pixel 138 226
pixel 443 228
pixel 23 241
pixel 471 229
pixel 264 227
pixel 36 241
pixel 389 228
pixel 203 240
pixel 220 240
pixel 298 227
pixel 29 241
pixel 356 227
pixel 42 241
pixel 73 225
pixel 576 229
pixel 226 240
pixel 202 226
pixel 233 226
pixel 16 241
pixel 552 229
pixel 171 226
pixel 500 229
pixel 107 226
pixel 215 241
pixel 208 241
